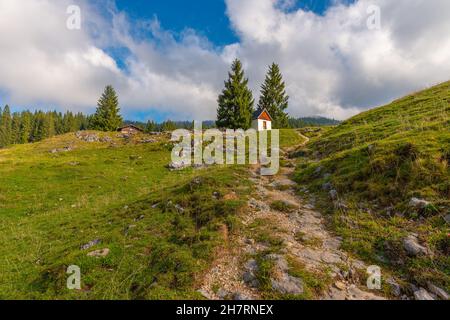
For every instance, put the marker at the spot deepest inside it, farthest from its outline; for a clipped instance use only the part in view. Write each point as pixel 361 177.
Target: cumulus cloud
pixel 333 64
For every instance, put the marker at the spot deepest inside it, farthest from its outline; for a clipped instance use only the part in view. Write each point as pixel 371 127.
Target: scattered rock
pixel 422 294
pixel 419 204
pixel 177 166
pixel 340 285
pixel 287 284
pixel 249 275
pixel 259 205
pixel 333 194
pixel 65 149
pixel 281 264
pixel 395 287
pixel 239 296
pixel 412 246
pixel 90 244
pixel 437 291
pixel 447 218
pixel 327 186
pixel 318 171
pixel 87 137
pixel 99 253
pixel 340 205
pixel 179 208
pixel 222 294
pixel 106 139
pixel 139 218
pixel 148 141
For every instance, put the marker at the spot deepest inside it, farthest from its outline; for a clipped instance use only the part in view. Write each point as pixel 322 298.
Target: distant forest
pixel 26 126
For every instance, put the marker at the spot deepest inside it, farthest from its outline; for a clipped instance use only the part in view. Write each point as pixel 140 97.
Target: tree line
pixel 26 126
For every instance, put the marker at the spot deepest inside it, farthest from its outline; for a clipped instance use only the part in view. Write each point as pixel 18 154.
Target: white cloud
pixel 333 64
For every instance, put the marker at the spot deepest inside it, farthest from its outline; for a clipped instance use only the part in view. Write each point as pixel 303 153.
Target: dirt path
pixel 305 239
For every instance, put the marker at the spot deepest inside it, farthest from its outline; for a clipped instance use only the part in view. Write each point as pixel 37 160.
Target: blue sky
pixel 168 59
pixel 207 17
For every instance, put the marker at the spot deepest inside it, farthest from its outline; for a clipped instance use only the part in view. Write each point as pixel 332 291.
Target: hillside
pixel 108 204
pixel 64 198
pixel 387 171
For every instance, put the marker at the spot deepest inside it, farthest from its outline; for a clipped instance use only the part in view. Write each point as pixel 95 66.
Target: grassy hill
pixel 63 193
pixel 64 198
pixel 377 162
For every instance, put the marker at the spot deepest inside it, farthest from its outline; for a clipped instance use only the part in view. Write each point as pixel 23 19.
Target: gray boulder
pixel 419 204
pixel 447 218
pixel 422 294
pixel 395 287
pixel 437 291
pixel 327 186
pixel 90 244
pixel 287 284
pixel 333 194
pixel 412 246
pixel 249 275
pixel 240 296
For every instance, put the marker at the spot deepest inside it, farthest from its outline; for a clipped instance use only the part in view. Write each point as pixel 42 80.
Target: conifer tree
pixel 151 126
pixel 274 97
pixel 107 116
pixel 236 101
pixel 15 128
pixel 25 127
pixel 6 127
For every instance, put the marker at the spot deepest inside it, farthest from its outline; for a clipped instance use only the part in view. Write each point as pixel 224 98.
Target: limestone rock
pixel 333 194
pixel 395 287
pixel 437 291
pixel 90 244
pixel 418 203
pixel 287 284
pixel 99 253
pixel 422 294
pixel 412 246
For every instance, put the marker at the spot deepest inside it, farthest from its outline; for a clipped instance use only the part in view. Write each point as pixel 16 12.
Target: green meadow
pixel 120 194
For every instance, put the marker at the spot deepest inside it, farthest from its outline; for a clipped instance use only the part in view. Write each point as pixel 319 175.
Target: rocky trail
pixel 305 240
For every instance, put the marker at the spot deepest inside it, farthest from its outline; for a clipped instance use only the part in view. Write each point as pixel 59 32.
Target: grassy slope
pixel 378 161
pixel 52 204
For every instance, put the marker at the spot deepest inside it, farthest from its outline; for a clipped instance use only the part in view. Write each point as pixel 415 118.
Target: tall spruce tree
pixel 274 97
pixel 236 100
pixel 107 117
pixel 25 127
pixel 6 127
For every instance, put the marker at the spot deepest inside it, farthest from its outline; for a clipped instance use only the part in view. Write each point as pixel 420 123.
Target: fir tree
pixel 6 127
pixel 274 98
pixel 151 126
pixel 236 101
pixel 15 128
pixel 107 116
pixel 25 127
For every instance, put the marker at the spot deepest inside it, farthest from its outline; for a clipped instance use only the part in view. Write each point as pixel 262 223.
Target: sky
pixel 168 59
